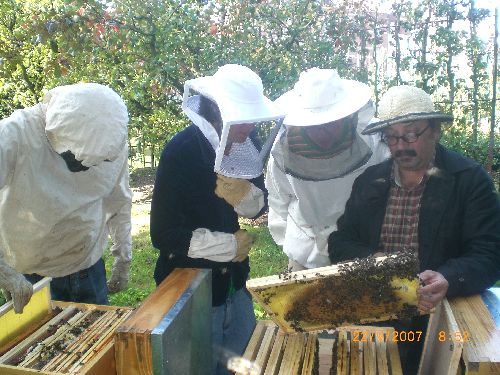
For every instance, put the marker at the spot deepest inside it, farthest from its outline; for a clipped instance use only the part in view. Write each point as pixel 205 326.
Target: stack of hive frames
pixel 463 336
pixel 347 350
pixel 359 292
pixel 75 337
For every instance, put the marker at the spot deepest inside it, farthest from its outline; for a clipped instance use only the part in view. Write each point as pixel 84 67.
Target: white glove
pixel 15 285
pixel 119 276
pixel 214 246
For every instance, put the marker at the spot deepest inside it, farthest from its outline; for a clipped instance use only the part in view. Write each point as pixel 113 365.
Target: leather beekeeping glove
pixel 232 190
pixel 244 242
pixel 119 276
pixel 15 285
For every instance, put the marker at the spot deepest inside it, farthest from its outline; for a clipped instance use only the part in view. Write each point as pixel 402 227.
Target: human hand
pixel 232 190
pixel 15 286
pixel 119 276
pixel 244 242
pixel 433 290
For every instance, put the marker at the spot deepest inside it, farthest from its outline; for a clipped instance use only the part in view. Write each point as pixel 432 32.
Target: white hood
pixel 88 119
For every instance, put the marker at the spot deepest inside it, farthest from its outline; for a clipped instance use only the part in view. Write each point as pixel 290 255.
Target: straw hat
pixel 239 94
pixel 401 104
pixel 320 96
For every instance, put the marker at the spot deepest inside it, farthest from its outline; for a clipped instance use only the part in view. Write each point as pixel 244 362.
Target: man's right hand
pixel 15 285
pixel 244 242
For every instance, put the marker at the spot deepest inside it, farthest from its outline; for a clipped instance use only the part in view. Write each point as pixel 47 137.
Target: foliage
pixel 146 50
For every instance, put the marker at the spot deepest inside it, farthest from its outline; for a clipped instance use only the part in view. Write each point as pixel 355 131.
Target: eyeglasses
pixel 392 140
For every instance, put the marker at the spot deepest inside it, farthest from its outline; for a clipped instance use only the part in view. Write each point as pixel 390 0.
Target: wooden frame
pixel 97 360
pixel 463 337
pixel 170 333
pixel 480 333
pixel 324 298
pixel 441 355
pixel 348 350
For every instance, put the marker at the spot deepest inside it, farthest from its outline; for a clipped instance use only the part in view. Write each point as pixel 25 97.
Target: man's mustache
pixel 401 153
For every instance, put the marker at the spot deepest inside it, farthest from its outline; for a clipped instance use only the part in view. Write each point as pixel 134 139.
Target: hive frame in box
pixel 346 350
pixel 463 336
pixel 99 360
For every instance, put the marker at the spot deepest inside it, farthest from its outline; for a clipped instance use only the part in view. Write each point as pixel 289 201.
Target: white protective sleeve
pixel 214 246
pixel 252 203
pixel 279 198
pixel 118 212
pixel 118 208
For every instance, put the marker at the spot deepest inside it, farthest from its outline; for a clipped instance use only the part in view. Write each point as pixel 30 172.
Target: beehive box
pixel 366 290
pixel 170 333
pixel 53 337
pixel 463 336
pixel 347 350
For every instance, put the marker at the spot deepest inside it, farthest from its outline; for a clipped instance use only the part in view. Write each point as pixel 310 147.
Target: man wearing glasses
pixel 425 199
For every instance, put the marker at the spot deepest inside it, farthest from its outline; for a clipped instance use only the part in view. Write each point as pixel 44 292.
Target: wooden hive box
pixel 463 336
pixel 170 333
pixel 56 338
pixel 347 350
pixel 359 292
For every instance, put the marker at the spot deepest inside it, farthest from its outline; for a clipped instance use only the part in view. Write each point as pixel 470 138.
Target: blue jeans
pixel 232 326
pixel 85 286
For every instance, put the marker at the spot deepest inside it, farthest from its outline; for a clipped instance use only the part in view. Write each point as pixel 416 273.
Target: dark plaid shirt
pixel 400 227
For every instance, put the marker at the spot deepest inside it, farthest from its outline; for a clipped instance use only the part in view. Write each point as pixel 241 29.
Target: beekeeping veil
pixel 238 93
pixel 88 119
pixel 321 98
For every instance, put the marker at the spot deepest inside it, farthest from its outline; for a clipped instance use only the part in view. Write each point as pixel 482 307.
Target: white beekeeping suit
pixel 54 222
pixel 308 187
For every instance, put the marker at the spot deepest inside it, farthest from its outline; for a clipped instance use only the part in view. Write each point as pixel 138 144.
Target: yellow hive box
pixel 55 338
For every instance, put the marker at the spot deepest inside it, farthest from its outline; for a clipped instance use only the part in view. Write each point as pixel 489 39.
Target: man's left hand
pixel 119 276
pixel 433 290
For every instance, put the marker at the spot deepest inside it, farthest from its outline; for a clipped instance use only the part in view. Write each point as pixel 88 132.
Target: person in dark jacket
pixel 425 199
pixel 209 174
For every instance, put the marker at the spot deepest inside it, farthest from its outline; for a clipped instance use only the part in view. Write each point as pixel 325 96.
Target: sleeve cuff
pixel 252 203
pixel 214 246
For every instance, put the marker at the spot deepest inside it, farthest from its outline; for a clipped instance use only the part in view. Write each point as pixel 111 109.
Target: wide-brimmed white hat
pixel 239 94
pixel 405 104
pixel 320 96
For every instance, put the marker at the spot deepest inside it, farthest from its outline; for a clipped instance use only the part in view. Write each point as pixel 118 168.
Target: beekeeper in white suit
pixel 64 186
pixel 314 161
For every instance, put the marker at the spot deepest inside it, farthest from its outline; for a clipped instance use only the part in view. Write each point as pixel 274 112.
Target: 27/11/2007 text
pixel 382 335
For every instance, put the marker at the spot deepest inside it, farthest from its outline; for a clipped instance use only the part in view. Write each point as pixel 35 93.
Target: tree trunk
pixel 491 143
